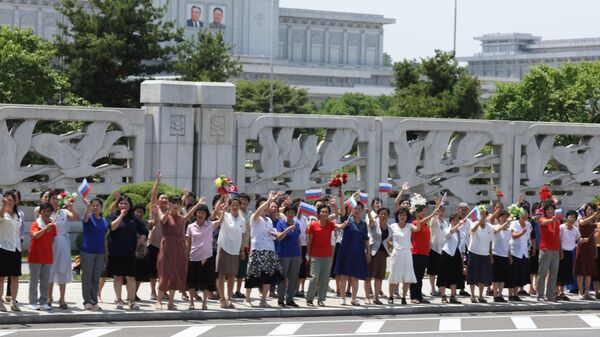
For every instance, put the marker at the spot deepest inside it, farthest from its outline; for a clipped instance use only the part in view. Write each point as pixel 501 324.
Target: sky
pixel 425 25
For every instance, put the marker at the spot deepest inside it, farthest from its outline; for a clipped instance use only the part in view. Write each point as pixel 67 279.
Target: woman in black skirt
pixel 451 263
pixel 10 248
pixel 519 269
pixel 502 258
pixel 569 235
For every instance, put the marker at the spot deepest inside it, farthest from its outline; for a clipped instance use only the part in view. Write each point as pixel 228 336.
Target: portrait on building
pixel 217 17
pixel 194 16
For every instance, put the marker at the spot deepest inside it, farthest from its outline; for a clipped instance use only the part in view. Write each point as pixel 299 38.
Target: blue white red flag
pixel 307 209
pixel 314 194
pixel 85 188
pixel 559 214
pixel 351 202
pixel 475 214
pixel 364 198
pixel 385 188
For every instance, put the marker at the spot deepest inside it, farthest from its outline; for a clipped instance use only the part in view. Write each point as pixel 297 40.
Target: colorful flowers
pixel 223 182
pixel 545 193
pixel 65 199
pixel 515 211
pixel 339 180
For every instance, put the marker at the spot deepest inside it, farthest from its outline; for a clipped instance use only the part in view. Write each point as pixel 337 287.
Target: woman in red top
pixel 318 235
pixel 549 253
pixel 420 246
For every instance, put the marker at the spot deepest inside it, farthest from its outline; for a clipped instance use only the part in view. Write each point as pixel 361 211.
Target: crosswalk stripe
pixel 285 329
pixel 523 322
pixel 591 320
pixel 370 326
pixel 4 333
pixel 450 324
pixel 96 332
pixel 194 331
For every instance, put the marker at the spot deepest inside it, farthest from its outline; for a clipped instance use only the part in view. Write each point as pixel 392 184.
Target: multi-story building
pixel 328 53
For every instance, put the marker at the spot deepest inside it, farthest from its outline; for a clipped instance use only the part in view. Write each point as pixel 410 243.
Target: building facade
pixel 327 53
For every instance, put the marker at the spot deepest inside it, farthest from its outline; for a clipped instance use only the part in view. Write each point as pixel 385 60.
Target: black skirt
pixel 500 269
pixel 519 273
pixel 121 266
pixel 479 269
pixel 565 268
pixel 304 270
pixel 10 263
pixel 433 265
pixel 451 271
pixel 151 259
pixel 202 276
pixel 141 270
pixel 534 262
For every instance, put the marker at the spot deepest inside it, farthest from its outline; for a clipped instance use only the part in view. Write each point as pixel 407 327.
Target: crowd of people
pixel 208 252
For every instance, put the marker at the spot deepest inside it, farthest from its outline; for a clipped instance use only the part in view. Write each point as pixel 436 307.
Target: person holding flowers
pixel 60 271
pixel 586 254
pixel 521 231
pixel 549 253
pixel 479 265
pixel 501 254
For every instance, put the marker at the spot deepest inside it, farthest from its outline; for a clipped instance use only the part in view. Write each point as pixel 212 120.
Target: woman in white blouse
pixel 402 266
pixel 451 262
pixel 519 269
pixel 10 248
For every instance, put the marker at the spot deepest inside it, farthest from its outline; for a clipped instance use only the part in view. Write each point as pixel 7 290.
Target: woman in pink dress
pixel 172 258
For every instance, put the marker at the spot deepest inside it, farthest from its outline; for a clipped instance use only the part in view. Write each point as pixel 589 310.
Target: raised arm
pixel 370 216
pixel 192 211
pixel 265 205
pixel 113 206
pixel 398 199
pixel 337 211
pixel 88 210
pixel 497 209
pixel 154 193
pixel 502 227
pixel 72 213
pixel 117 222
pixel 426 219
pixel 589 219
pixel 479 224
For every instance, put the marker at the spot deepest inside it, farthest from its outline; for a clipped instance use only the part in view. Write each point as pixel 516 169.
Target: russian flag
pixel 85 188
pixel 385 188
pixel 559 213
pixel 364 198
pixel 351 202
pixel 313 194
pixel 475 214
pixel 307 209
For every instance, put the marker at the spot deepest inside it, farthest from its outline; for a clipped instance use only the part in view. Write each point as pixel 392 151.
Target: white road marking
pixel 193 331
pixel 523 322
pixel 96 332
pixel 591 320
pixel 450 324
pixel 4 333
pixel 370 327
pixel 285 329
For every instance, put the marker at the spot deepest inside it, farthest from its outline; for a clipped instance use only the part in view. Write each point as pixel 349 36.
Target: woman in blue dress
pixel 353 255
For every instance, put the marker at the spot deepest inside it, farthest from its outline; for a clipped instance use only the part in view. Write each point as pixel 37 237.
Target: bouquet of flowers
pixel 545 193
pixel 482 208
pixel 499 194
pixel 338 180
pixel 223 182
pixel 65 199
pixel 417 200
pixel 515 211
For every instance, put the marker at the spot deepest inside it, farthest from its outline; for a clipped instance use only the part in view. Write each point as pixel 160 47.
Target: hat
pixel 463 204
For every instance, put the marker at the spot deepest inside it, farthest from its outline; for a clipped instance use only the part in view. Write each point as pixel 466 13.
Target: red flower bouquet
pixel 545 193
pixel 223 182
pixel 339 180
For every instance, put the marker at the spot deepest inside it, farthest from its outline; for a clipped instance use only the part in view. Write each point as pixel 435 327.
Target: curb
pixel 25 318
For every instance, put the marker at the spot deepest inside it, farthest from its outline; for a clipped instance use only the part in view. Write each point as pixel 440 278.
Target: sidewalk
pixel 75 313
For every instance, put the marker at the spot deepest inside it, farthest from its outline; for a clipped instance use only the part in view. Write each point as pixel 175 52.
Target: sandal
pixel 14 307
pixel 444 299
pixel 172 307
pixel 224 305
pixel 63 305
pixel 158 306
pixel 133 306
pixel 120 305
pixel 377 301
pixel 191 306
pixel 453 300
pixel 204 306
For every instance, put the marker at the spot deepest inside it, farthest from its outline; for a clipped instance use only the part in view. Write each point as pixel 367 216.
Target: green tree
pixel 206 57
pixel 108 47
pixel 435 87
pixel 254 97
pixel 570 93
pixel 27 74
pixel 352 104
pixel 387 60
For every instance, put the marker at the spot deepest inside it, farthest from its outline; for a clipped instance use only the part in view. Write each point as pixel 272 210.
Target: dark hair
pixel 13 195
pixel 124 197
pixel 203 208
pixel 373 201
pixel 235 199
pixel 360 204
pixel 191 194
pixel 289 208
pixel 244 196
pixel 46 205
pixel 175 199
pixel 197 7
pixel 572 212
pixel 215 200
pixel 387 210
pixel 323 206
pixel 547 206
pixel 17 193
pixel 590 205
pixel 454 216
pixel 503 213
pixel 419 208
pixel 399 211
pixel 218 9
pixel 260 201
pixel 139 206
pixel 98 200
pixel 44 192
pixel 54 192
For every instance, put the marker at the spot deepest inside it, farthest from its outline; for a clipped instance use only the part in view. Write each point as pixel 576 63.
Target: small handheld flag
pixel 307 209
pixel 559 213
pixel 385 188
pixel 351 202
pixel 232 189
pixel 85 188
pixel 314 194
pixel 475 214
pixel 444 198
pixel 364 198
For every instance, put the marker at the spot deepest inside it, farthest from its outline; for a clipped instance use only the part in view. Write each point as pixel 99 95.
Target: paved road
pixel 522 324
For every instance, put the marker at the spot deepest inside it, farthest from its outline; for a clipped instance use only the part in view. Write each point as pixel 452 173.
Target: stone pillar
pixel 171 107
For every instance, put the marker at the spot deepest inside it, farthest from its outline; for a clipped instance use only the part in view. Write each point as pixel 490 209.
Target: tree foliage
pixel 254 97
pixel 27 73
pixel 206 58
pixel 435 87
pixel 352 104
pixel 140 193
pixel 107 47
pixel 570 93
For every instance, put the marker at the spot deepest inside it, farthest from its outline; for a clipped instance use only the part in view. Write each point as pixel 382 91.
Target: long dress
pixel 352 259
pixel 60 271
pixel 401 261
pixel 585 260
pixel 172 259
